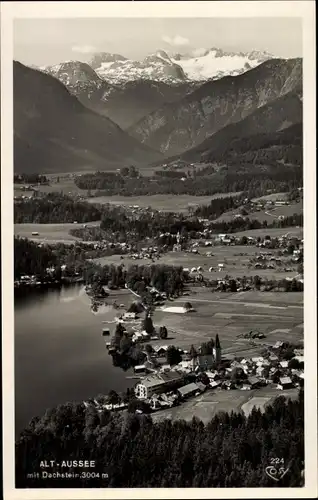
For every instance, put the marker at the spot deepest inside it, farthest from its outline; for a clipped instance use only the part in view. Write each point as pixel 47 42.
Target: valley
pixel 159 244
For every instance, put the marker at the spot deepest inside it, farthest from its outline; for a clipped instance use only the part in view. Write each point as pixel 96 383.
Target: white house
pixel 284 364
pixel 284 383
pixel 130 315
pixel 157 383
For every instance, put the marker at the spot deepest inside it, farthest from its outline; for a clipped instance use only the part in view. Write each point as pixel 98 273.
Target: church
pixel 207 361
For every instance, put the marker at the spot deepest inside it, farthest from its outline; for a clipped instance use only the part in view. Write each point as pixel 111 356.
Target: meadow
pixel 268 214
pixel 278 315
pixel 51 233
pixel 235 260
pixel 164 203
pixel 210 403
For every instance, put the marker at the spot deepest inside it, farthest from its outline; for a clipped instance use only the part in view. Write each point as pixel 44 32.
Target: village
pixel 171 375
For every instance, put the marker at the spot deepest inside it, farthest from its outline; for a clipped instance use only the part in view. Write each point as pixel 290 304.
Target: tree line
pixel 30 179
pixel 231 450
pixel 54 208
pixel 218 206
pixel 206 181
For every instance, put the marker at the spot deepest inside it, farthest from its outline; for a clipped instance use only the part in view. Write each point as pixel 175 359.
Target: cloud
pixel 84 49
pixel 176 40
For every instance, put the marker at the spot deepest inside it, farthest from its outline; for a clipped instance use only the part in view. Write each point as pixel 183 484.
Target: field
pixel 165 203
pixel 208 404
pixel 278 315
pixel 272 197
pixel 234 263
pixel 66 185
pixel 268 214
pixel 52 233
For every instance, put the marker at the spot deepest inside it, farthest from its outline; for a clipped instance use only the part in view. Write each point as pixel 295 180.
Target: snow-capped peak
pixel 73 72
pixel 197 65
pixel 202 64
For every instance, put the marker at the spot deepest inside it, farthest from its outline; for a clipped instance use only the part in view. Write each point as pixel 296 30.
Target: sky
pixel 51 41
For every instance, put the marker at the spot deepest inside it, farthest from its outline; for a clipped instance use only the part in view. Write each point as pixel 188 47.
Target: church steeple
pixel 217 342
pixel 217 349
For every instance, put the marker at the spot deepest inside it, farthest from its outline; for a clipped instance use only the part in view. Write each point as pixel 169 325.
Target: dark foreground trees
pixel 232 450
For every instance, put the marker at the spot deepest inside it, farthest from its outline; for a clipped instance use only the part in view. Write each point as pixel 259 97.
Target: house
pixel 215 383
pixel 139 368
pixel 204 361
pixel 157 383
pixel 130 315
pixel 246 387
pixel 254 382
pixel 188 390
pixel 257 360
pixel 228 384
pixel 165 368
pixel 201 386
pixel 212 375
pixel 185 366
pixel 284 383
pixel 221 237
pixel 284 364
pixel 161 350
pixel 278 344
pixel 273 358
pixel 299 352
pixel 145 336
pixel 301 359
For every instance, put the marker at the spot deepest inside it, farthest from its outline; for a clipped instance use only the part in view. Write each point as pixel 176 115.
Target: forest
pixel 34 259
pixel 29 179
pixel 232 450
pixel 31 259
pixel 54 208
pixel 163 227
pixel 218 206
pixel 256 180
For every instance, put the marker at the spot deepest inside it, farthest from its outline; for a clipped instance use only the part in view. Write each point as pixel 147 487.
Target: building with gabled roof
pixel 157 383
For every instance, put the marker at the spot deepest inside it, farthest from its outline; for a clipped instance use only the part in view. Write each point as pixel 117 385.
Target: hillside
pixel 186 123
pixel 124 103
pixel 54 132
pixel 275 124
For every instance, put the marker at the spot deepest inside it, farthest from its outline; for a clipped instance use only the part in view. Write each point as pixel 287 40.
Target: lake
pixel 60 354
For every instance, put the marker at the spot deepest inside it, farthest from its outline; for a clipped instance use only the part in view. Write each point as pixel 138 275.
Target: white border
pixel 304 9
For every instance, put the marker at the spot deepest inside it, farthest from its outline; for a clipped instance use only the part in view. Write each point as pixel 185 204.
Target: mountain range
pixel 197 65
pixel 184 124
pixel 67 117
pixel 123 103
pixel 54 132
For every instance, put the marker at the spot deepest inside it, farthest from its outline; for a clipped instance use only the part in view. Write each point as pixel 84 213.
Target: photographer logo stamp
pixel 277 469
